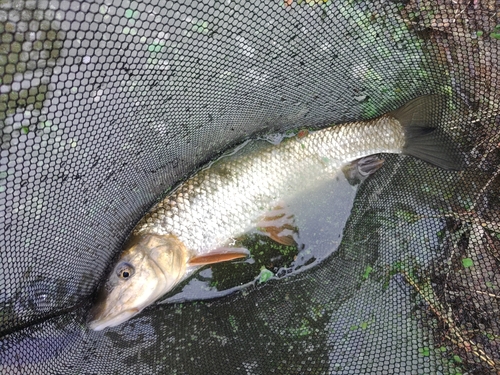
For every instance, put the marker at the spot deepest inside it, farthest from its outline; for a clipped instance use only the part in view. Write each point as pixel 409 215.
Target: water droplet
pixel 361 98
pixel 38 297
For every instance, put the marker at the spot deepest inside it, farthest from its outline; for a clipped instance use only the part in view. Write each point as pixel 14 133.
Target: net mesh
pixel 105 105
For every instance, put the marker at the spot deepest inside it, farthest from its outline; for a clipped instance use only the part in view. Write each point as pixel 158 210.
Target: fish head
pixel 150 266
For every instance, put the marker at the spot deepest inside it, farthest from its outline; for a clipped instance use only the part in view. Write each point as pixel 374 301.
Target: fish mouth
pixel 99 323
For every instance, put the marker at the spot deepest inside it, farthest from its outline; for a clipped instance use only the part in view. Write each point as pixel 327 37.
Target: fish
pixel 197 223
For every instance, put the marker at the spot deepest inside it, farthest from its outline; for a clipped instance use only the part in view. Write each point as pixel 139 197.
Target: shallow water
pixel 319 215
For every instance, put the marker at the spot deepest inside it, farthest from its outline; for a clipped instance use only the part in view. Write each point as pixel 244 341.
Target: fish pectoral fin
pixel 280 226
pixel 357 170
pixel 221 254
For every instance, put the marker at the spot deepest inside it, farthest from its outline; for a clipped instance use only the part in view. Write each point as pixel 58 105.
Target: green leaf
pixel 425 351
pixel 408 216
pixel 467 262
pixel 265 275
pixel 232 321
pixel 479 33
pixel 457 359
pixel 303 330
pixel 495 35
pixel 130 13
pixel 367 272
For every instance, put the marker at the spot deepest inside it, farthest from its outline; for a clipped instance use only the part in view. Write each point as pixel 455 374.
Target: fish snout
pixel 98 322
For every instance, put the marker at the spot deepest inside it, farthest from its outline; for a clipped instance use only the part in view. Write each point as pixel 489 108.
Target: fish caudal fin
pixel 423 139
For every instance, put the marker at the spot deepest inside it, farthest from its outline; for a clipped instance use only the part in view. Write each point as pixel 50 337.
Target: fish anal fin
pixel 222 254
pixel 360 169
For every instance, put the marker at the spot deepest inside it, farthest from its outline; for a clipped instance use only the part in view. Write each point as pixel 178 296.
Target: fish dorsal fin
pixel 280 226
pixel 221 254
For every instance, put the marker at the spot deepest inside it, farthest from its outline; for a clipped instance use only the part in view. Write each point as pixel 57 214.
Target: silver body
pixel 199 221
pixel 228 198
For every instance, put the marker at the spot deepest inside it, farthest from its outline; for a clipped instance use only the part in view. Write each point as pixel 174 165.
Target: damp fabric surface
pixel 105 106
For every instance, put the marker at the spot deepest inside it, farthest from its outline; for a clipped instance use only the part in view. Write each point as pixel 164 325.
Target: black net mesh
pixel 105 105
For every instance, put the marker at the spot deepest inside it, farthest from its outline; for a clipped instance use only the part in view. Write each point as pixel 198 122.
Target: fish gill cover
pixel 105 106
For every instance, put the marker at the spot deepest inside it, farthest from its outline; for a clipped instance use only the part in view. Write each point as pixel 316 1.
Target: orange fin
pixel 280 226
pixel 219 255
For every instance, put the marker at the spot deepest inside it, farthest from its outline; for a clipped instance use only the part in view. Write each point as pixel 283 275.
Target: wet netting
pixel 105 106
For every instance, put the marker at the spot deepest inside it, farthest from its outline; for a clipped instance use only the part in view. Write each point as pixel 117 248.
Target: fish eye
pixel 124 270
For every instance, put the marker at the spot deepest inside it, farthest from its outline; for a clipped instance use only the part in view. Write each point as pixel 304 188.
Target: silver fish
pixel 196 223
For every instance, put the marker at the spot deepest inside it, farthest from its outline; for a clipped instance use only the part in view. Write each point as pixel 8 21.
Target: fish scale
pixel 227 199
pixel 196 224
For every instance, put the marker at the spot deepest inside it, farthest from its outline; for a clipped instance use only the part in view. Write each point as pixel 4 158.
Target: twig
pixel 456 337
pixel 481 192
pixel 491 246
pixel 477 291
pixel 463 10
pixel 488 294
pixel 470 217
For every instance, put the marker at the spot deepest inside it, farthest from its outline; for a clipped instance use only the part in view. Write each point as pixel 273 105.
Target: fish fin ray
pixel 279 225
pixel 277 236
pixel 221 254
pixel 359 169
pixel 423 139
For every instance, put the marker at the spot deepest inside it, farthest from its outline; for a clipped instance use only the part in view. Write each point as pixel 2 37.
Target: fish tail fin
pixel 423 138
